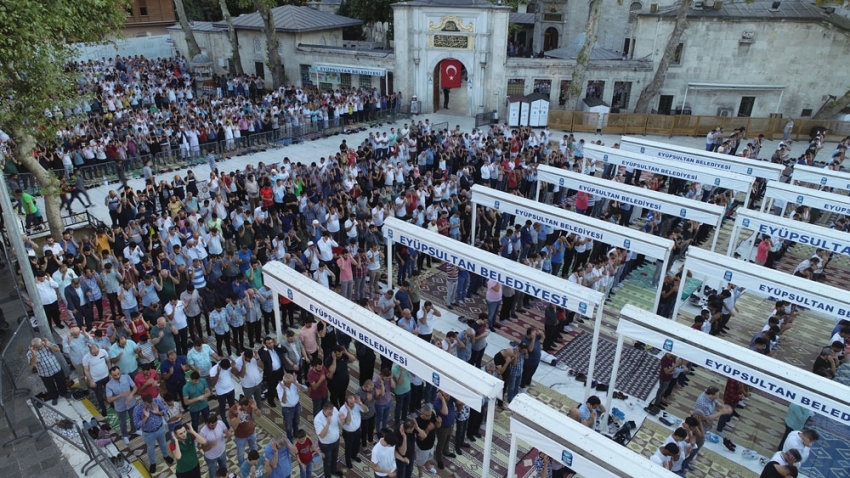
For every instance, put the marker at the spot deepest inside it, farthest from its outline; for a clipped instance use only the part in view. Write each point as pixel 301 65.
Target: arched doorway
pixel 550 39
pixel 450 87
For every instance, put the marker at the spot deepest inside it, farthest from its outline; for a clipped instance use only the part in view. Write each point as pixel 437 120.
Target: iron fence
pixel 176 158
pixel 486 118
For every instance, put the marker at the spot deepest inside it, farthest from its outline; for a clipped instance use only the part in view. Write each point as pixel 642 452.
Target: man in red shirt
pixel 317 379
pixel 665 377
pixel 733 394
pixel 147 381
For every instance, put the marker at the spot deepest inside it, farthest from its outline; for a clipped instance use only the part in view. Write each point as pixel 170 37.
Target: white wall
pixel 798 55
pixel 151 47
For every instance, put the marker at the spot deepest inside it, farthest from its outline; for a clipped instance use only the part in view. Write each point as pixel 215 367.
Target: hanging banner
pixel 679 340
pixel 535 283
pixel 725 162
pixel 598 230
pixel 676 206
pixel 584 451
pixel 822 176
pixel 656 165
pixel 808 197
pixel 794 231
pixel 384 338
pixel 567 456
pixel 764 282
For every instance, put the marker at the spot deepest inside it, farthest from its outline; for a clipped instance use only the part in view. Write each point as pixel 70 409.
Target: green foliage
pixel 370 11
pixel 36 42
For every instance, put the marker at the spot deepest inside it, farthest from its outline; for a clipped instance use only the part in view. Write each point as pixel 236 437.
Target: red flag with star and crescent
pixel 450 71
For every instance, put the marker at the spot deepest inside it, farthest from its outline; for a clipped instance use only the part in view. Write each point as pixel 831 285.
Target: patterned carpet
pixel 434 289
pixel 638 371
pixel 707 463
pixel 830 457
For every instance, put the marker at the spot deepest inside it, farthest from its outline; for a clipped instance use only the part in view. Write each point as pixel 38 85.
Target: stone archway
pixel 451 100
pixel 550 39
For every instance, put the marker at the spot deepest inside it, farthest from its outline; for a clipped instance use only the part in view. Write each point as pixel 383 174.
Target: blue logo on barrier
pixel 390 233
pixel 642 150
pixel 717 181
pixel 800 199
pixel 727 276
pixel 745 223
pixel 683 212
pixel 668 345
pixel 627 243
pixel 435 379
pixel 582 307
pixel 561 181
pixel 496 205
pixel 567 458
pixel 749 170
pixel 289 294
pixel 823 180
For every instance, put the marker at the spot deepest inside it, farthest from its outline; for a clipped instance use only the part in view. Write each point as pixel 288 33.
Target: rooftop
pixel 571 53
pixel 203 27
pixel 452 3
pixel 758 10
pixel 522 18
pixel 293 19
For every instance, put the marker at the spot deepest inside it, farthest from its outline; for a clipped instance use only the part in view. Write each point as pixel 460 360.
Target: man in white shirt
pixel 663 456
pixel 680 438
pixel 326 423
pixel 222 379
pixel 288 392
pixel 801 441
pixel 175 310
pixel 326 254
pixel 383 453
pixel 47 288
pixel 249 369
pixel 352 409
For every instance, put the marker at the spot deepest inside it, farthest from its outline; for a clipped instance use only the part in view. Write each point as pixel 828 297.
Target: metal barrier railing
pixel 486 118
pixel 176 158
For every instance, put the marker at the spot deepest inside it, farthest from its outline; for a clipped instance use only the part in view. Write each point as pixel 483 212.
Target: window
pixel 677 55
pixel 745 110
pixel 543 87
pixel 622 93
pixel 365 81
pixel 806 112
pixel 306 77
pixel 665 104
pixel 564 91
pixel 595 89
pixel 143 8
pixel 345 80
pixel 326 86
pixel 516 86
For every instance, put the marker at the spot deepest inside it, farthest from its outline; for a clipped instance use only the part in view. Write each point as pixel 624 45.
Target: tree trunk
pixel 272 43
pixel 591 32
pixel 231 32
pixel 191 43
pixel 654 86
pixel 48 182
pixel 833 107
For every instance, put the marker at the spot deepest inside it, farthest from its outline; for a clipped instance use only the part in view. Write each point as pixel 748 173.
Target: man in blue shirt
pixel 277 454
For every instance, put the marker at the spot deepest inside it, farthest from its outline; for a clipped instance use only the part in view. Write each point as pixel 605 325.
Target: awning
pixel 351 70
pixel 725 162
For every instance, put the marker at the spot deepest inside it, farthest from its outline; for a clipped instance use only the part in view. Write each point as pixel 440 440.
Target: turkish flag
pixel 450 71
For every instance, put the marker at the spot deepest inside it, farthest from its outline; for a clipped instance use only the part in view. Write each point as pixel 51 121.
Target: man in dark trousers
pixel 273 357
pixel 445 98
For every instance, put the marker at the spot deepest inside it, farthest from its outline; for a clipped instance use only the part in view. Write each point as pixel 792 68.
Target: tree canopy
pixel 36 45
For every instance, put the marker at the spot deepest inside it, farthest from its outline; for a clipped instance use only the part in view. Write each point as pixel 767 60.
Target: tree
pixel 264 8
pixel 36 43
pixel 370 12
pixel 652 88
pixel 234 41
pixel 191 43
pixel 591 32
pixel 833 107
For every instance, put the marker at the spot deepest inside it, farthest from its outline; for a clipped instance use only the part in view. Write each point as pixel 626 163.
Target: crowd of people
pixel 175 281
